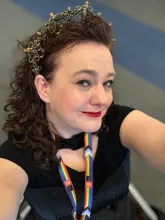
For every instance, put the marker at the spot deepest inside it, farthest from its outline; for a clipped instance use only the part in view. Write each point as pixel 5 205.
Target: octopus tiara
pixel 53 26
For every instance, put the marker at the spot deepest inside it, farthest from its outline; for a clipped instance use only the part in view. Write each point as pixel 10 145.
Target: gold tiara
pixel 53 26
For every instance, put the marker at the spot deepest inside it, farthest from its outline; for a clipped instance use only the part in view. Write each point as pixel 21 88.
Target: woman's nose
pixel 100 96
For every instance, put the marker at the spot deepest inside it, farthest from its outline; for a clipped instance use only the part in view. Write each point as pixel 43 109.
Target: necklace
pixel 65 177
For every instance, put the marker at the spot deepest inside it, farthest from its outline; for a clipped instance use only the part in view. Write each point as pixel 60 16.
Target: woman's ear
pixel 42 87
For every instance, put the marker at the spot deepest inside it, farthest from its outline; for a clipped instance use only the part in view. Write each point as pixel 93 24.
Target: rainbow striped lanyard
pixel 88 197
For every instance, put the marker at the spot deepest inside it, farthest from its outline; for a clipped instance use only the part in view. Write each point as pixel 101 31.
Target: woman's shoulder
pixel 111 127
pixel 18 155
pixel 116 114
pixel 110 146
pixel 11 151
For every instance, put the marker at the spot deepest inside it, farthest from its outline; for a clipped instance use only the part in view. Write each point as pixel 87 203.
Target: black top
pixel 109 156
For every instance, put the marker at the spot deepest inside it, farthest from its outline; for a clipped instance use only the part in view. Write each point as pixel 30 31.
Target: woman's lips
pixel 93 114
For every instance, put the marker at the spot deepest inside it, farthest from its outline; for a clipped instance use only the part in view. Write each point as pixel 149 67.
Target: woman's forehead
pixel 90 56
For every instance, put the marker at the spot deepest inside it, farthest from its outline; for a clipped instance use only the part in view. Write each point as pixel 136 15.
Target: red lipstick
pixel 93 114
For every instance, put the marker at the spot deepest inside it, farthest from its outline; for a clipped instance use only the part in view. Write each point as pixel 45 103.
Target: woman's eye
pixel 84 83
pixel 109 83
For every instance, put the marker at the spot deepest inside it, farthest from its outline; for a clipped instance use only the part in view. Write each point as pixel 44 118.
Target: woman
pixel 68 154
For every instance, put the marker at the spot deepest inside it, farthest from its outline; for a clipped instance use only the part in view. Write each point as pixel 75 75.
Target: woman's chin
pixel 91 129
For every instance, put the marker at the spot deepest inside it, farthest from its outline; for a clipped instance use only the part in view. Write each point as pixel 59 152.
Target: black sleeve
pixel 111 139
pixel 115 117
pixel 17 155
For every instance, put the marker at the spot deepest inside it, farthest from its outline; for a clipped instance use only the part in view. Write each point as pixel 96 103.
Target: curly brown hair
pixel 26 123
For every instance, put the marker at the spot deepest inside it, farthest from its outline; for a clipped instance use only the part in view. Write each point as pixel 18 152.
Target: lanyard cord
pixel 65 177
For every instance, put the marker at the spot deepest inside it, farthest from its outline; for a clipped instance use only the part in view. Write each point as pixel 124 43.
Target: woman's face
pixel 82 83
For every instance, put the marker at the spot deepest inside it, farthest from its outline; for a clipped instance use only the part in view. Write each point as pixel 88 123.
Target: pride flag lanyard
pixel 88 197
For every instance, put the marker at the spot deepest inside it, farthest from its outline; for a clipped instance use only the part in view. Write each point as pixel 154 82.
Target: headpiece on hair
pixel 53 26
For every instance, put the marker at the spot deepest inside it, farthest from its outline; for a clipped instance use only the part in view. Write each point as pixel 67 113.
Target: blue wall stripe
pixel 139 47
